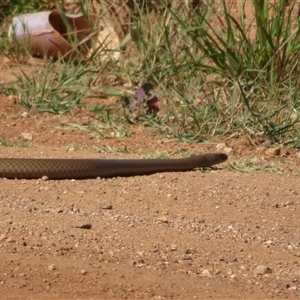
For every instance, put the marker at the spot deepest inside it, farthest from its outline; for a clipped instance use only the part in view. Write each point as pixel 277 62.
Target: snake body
pixel 92 168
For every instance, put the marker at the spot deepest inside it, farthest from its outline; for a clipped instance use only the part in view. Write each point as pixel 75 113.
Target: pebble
pixel 261 270
pixel 222 147
pixel 289 202
pixel 83 224
pixel 173 247
pixel 268 243
pixel 105 205
pixel 162 219
pixel 27 136
pixel 272 151
pixel 186 257
pixel 3 237
pixel 51 267
pixel 205 272
pixel 12 99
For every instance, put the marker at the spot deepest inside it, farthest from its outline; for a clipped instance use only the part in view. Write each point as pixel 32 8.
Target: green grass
pixel 211 81
pixel 23 144
pixel 254 165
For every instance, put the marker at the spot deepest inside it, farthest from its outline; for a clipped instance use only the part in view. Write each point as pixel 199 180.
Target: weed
pixel 253 165
pixel 24 144
pixel 57 88
pixel 213 77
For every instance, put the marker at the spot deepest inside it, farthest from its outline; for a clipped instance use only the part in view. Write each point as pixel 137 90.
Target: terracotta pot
pixel 45 33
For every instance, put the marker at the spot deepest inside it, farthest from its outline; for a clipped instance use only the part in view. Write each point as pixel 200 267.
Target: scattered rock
pixel 287 203
pixel 83 224
pixel 12 99
pixel 162 219
pixel 105 205
pixel 261 270
pixel 222 147
pixel 51 267
pixel 272 151
pixel 173 247
pixel 186 257
pixel 205 272
pixel 27 136
pixel 291 247
pixel 71 149
pixel 294 192
pixel 3 237
pixel 132 263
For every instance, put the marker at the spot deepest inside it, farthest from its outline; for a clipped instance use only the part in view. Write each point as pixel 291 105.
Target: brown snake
pixel 92 168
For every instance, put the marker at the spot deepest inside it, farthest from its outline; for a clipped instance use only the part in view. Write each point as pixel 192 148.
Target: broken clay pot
pixel 45 33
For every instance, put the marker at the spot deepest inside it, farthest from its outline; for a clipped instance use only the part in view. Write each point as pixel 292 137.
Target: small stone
pixel 173 247
pixel 27 136
pixel 272 151
pixel 71 149
pixel 83 224
pixel 222 147
pixel 3 237
pixel 268 243
pixel 132 263
pixel 205 272
pixel 51 267
pixel 287 203
pixel 162 219
pixel 83 272
pixel 186 257
pixel 261 270
pixel 293 192
pixel 45 178
pixel 12 99
pixel 105 205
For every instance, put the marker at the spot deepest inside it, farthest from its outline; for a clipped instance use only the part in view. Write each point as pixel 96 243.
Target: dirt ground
pixel 193 235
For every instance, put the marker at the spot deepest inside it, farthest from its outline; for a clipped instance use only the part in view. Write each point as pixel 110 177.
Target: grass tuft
pixel 213 78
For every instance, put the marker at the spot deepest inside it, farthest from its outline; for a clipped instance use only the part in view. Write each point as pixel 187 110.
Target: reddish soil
pixel 170 235
pixel 191 235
